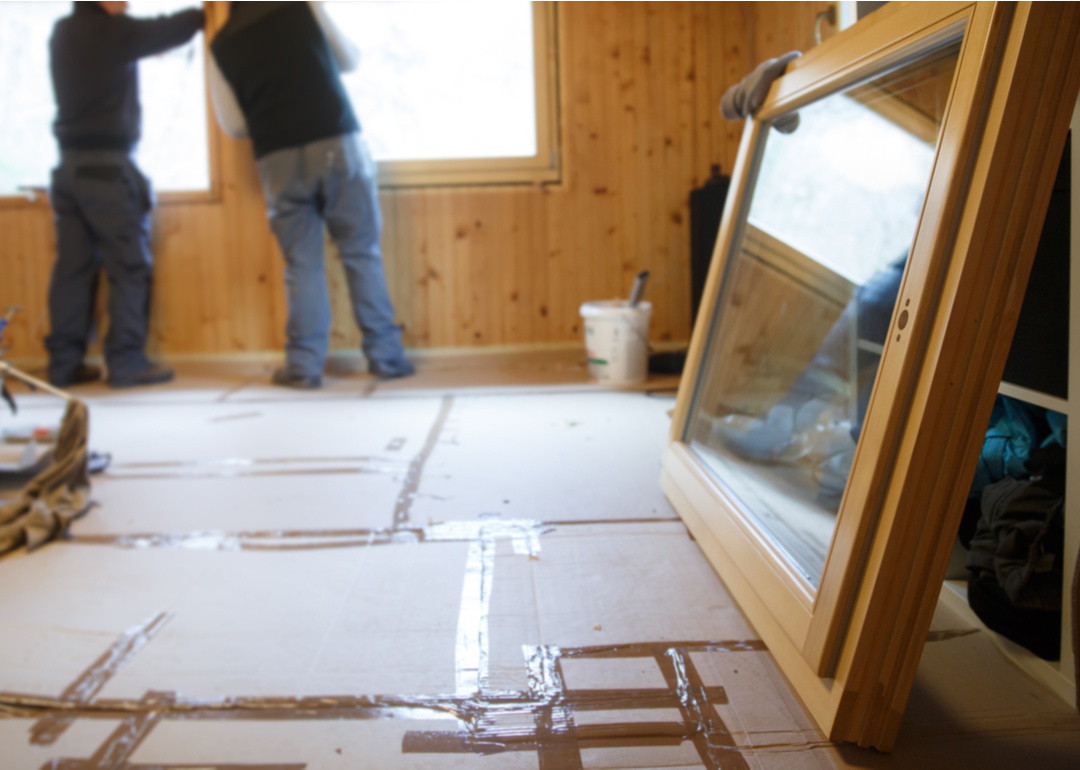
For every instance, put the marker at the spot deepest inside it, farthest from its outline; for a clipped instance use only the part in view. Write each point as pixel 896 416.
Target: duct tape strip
pixel 713 741
pixel 471 656
pixel 236 474
pixel 82 690
pixel 495 721
pixel 245 461
pixel 233 467
pixel 524 535
pixel 269 540
pixel 403 506
pixel 558 741
pixel 127 736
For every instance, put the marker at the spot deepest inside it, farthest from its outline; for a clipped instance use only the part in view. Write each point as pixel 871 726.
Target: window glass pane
pixel 27 146
pixel 807 299
pixel 443 80
pixel 877 171
pixel 173 152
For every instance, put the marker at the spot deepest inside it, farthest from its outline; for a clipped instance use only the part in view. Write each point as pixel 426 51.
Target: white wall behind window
pixel 173 152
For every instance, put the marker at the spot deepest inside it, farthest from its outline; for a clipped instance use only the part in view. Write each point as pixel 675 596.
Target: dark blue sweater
pixel 281 68
pixel 93 57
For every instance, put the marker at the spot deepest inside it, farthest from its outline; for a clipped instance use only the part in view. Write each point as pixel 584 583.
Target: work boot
pixel 391 369
pixel 153 374
pixel 289 378
pixel 83 374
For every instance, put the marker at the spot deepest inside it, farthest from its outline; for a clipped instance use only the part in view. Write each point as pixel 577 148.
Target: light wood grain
pixel 480 266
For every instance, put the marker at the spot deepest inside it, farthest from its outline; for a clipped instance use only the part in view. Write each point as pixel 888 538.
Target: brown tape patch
pixel 558 740
pixel 50 727
pixel 714 742
pixel 127 736
pixel 403 506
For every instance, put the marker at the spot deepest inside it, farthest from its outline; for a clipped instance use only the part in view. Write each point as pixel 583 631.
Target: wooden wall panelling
pixel 721 58
pixel 27 246
pixel 625 91
pixel 530 282
pixel 776 28
pixel 668 146
pixel 583 221
pixel 640 84
pixel 415 283
pixel 219 282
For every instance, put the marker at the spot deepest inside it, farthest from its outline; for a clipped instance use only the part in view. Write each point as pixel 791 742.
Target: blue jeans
pixel 330 181
pixel 101 205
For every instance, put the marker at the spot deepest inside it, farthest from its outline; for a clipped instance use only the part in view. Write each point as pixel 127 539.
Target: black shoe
pixel 287 378
pixel 83 374
pixel 389 370
pixel 153 374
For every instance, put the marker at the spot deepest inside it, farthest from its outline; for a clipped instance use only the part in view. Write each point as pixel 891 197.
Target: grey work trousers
pixel 101 205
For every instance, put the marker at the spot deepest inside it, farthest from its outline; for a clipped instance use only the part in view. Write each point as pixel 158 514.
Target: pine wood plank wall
pixel 484 266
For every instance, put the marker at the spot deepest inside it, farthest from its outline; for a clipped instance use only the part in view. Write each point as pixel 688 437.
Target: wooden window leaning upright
pixel 886 206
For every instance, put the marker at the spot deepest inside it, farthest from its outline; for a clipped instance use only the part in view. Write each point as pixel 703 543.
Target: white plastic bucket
pixel 617 341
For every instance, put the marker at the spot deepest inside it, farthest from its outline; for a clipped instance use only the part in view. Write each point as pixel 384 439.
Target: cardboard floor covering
pixel 459 570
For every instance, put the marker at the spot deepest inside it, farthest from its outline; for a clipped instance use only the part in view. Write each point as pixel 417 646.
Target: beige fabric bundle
pixel 45 507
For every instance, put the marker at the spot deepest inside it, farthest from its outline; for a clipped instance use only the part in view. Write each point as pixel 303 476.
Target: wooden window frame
pixel 545 167
pixel 850 648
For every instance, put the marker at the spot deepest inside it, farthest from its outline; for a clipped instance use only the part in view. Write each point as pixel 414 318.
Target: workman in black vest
pixel 100 199
pixel 277 79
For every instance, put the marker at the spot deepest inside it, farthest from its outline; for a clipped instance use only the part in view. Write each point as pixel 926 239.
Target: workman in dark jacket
pixel 100 199
pixel 275 76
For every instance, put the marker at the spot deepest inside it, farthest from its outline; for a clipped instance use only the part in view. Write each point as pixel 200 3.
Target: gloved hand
pixel 745 97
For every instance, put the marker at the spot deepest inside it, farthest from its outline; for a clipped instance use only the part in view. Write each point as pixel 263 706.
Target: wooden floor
pixel 474 567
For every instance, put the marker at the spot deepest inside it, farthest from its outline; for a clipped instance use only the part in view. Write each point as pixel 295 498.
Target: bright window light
pixel 174 149
pixel 443 80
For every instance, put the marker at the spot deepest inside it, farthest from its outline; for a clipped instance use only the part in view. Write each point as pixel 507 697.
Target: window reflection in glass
pixel 807 298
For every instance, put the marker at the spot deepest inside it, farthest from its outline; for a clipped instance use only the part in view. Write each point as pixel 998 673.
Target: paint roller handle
pixel 638 288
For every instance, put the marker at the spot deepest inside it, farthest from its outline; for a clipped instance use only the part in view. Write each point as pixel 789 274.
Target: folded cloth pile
pixel 45 507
